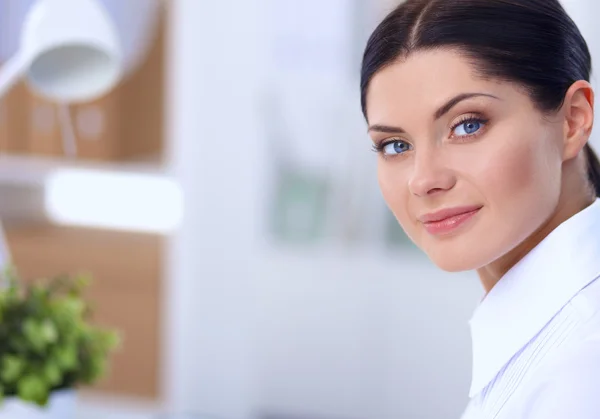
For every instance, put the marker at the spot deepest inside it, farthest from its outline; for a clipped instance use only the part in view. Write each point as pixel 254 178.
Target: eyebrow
pixel 443 110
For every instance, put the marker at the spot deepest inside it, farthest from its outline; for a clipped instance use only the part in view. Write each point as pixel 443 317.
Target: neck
pixel 489 275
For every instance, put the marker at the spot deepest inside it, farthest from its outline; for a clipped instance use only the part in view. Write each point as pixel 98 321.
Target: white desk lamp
pixel 69 52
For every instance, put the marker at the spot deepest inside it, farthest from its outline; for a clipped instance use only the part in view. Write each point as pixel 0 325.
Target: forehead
pixel 423 82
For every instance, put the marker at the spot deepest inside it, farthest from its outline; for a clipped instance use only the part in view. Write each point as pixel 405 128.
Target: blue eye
pixel 395 147
pixel 468 127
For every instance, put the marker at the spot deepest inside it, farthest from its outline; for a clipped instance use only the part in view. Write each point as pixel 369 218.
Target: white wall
pixel 214 57
pixel 363 337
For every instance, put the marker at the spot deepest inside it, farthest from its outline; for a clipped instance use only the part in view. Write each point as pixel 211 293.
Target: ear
pixel 578 109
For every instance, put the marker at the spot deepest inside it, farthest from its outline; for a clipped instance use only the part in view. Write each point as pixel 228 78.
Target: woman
pixel 481 112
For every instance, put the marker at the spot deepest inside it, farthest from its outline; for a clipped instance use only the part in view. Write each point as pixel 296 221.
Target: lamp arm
pixel 69 138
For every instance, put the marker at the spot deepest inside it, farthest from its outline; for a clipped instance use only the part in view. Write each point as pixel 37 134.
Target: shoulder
pixel 569 389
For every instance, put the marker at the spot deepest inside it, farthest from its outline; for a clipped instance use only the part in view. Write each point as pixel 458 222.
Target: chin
pixel 454 266
pixel 454 260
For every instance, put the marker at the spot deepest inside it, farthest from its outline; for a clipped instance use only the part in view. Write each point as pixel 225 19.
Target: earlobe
pixel 579 118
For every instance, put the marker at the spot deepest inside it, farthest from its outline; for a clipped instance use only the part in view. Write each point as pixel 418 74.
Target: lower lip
pixel 450 224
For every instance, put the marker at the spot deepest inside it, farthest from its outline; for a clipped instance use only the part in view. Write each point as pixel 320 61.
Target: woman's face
pixel 468 166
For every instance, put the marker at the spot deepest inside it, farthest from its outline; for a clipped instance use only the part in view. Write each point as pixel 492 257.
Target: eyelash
pixel 379 147
pixel 465 120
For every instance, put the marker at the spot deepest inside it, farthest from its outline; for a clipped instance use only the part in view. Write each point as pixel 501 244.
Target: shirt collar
pixel 532 292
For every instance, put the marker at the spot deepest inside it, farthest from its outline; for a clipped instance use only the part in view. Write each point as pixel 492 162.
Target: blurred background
pixel 224 198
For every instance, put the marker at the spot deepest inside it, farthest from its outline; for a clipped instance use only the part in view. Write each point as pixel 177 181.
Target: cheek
pixel 507 172
pixel 520 170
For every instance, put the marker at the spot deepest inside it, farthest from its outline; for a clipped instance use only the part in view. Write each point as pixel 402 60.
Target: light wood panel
pixel 126 290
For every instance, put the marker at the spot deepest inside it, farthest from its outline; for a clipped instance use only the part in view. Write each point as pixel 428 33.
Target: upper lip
pixel 447 213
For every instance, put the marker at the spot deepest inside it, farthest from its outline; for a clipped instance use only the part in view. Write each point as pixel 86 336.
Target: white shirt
pixel 536 335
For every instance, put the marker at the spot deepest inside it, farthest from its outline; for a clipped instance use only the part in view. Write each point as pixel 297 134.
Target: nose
pixel 430 175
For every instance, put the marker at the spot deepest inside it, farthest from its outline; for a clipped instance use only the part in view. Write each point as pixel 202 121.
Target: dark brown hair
pixel 533 43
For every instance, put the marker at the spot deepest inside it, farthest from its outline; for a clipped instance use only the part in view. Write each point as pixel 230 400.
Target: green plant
pixel 47 342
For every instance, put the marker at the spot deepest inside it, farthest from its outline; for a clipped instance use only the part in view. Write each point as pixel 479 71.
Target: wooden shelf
pixel 45 190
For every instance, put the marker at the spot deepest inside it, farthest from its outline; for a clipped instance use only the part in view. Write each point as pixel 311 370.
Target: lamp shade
pixel 68 51
pixel 71 48
pixel 135 22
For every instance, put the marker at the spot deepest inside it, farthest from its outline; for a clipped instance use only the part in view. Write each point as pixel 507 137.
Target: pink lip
pixel 448 220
